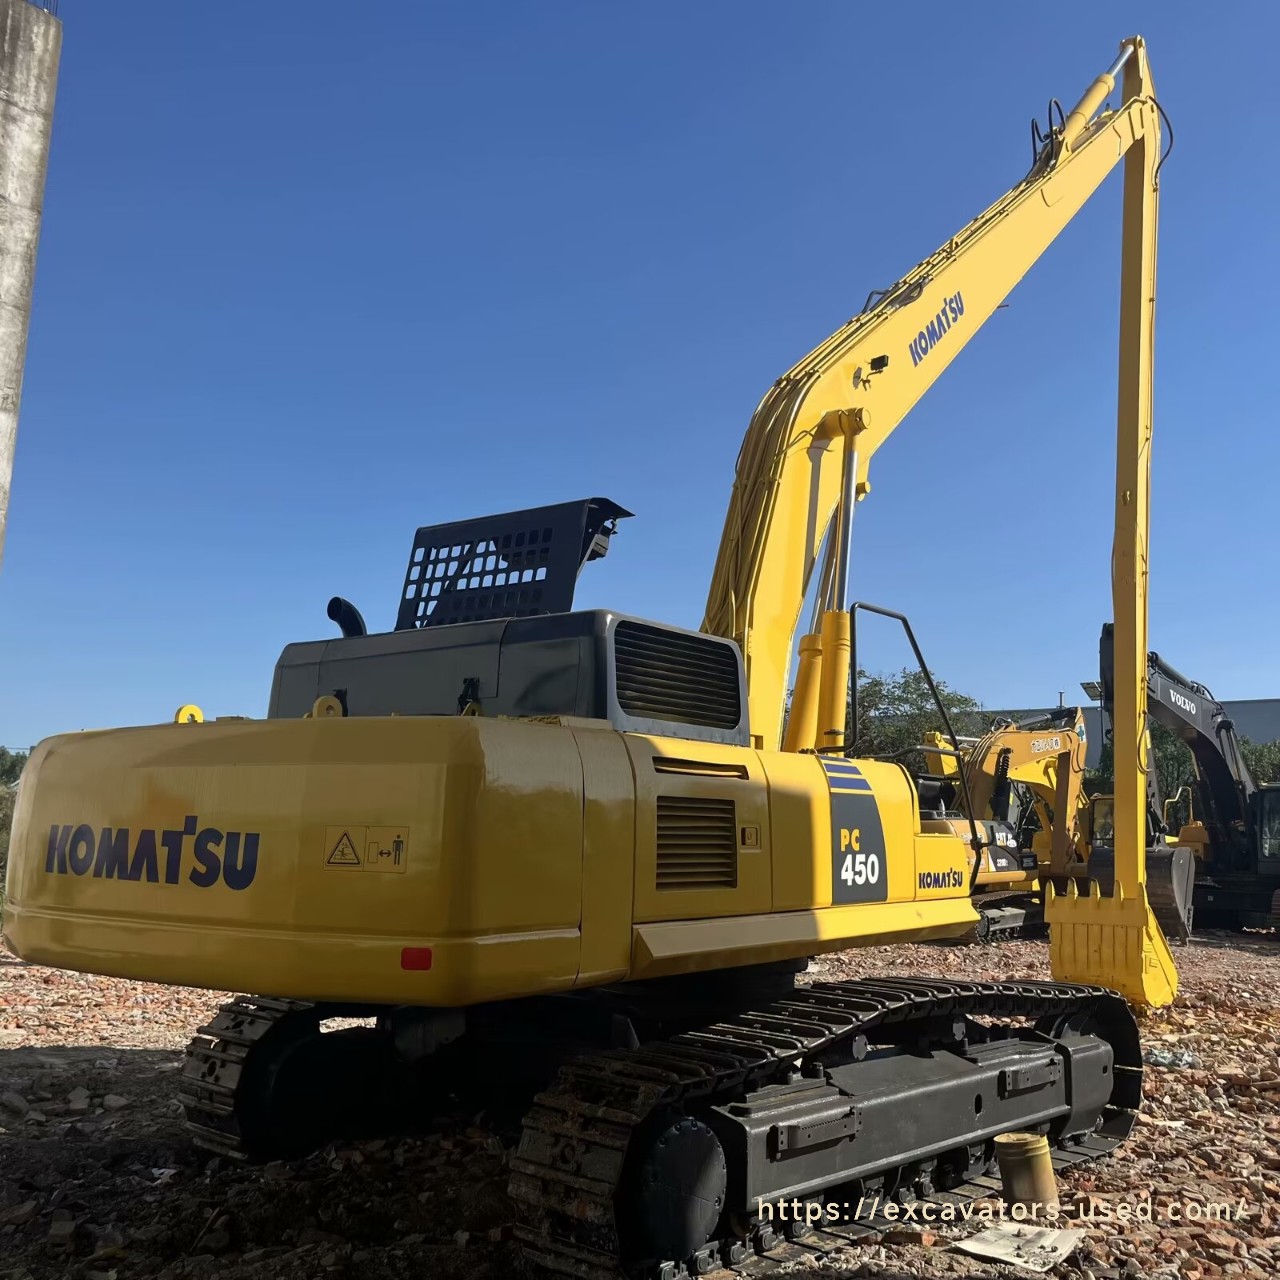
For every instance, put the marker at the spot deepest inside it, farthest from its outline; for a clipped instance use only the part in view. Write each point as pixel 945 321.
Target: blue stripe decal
pixel 863 790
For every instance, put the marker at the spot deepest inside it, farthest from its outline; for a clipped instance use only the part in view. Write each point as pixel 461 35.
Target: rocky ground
pixel 99 1182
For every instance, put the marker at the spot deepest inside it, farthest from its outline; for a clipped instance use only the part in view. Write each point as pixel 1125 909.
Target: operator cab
pixel 1266 801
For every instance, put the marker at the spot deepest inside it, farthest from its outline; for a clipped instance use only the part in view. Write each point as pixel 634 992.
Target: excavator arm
pixel 804 463
pixel 805 457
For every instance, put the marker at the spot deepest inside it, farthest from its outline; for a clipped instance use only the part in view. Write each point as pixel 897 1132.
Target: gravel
pixel 98 1180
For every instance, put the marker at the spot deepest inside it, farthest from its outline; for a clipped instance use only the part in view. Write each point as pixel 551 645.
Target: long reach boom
pixel 804 462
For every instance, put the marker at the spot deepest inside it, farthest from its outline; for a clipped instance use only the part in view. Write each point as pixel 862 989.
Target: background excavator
pixel 1234 826
pixel 1218 869
pixel 586 847
pixel 1030 774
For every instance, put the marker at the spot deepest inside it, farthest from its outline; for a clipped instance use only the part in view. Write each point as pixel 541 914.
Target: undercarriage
pixel 1236 902
pixel 661 1156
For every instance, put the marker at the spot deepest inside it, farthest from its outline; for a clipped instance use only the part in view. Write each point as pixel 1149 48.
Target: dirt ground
pixel 99 1182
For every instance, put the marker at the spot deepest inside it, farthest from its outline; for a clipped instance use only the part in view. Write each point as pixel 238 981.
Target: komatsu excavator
pixel 584 846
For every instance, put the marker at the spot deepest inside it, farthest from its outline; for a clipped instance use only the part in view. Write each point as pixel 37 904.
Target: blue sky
pixel 313 275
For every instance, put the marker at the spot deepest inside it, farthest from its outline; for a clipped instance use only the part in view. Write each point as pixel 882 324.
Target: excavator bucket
pixel 1113 941
pixel 1170 887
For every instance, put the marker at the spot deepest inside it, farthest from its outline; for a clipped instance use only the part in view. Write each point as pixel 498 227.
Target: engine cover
pixel 596 664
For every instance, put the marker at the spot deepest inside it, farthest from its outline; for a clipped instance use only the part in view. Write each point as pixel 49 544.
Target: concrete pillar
pixel 30 44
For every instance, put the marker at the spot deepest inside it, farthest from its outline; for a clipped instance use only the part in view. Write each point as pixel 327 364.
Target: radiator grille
pixel 664 675
pixel 697 843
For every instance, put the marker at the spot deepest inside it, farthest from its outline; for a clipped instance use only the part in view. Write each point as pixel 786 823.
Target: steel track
pixel 216 1062
pixel 568 1171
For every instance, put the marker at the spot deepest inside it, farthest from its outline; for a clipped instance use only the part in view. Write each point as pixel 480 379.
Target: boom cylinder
pixel 836 644
pixel 802 719
pixel 833 700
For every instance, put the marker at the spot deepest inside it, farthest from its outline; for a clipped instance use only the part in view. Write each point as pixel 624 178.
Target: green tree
pixel 1263 759
pixel 1100 780
pixel 1172 757
pixel 11 765
pixel 1174 766
pixel 895 712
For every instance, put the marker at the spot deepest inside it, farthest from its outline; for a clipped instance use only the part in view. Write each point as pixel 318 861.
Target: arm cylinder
pixel 848 498
pixel 1094 97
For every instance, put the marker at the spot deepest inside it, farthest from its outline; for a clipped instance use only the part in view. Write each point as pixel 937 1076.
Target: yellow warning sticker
pixel 358 848
pixel 343 852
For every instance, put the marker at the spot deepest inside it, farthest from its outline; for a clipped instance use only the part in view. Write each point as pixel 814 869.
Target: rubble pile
pixel 98 1180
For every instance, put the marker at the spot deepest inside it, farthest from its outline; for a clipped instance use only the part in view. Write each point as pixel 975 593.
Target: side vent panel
pixel 684 679
pixel 697 843
pixel 699 768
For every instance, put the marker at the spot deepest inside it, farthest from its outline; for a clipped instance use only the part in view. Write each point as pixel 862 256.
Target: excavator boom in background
pixel 1236 836
pixel 1032 771
pixel 1218 869
pixel 581 852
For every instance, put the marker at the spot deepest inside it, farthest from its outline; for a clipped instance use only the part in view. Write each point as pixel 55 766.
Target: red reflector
pixel 415 958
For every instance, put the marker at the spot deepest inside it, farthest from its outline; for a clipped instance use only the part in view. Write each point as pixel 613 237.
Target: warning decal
pixel 385 848
pixel 367 848
pixel 343 853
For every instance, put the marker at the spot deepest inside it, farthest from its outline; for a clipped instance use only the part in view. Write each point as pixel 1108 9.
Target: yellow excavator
pixel 1024 777
pixel 1025 780
pixel 589 849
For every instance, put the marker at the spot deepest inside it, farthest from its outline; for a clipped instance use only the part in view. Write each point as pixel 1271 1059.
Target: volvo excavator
pixel 590 848
pixel 1235 839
